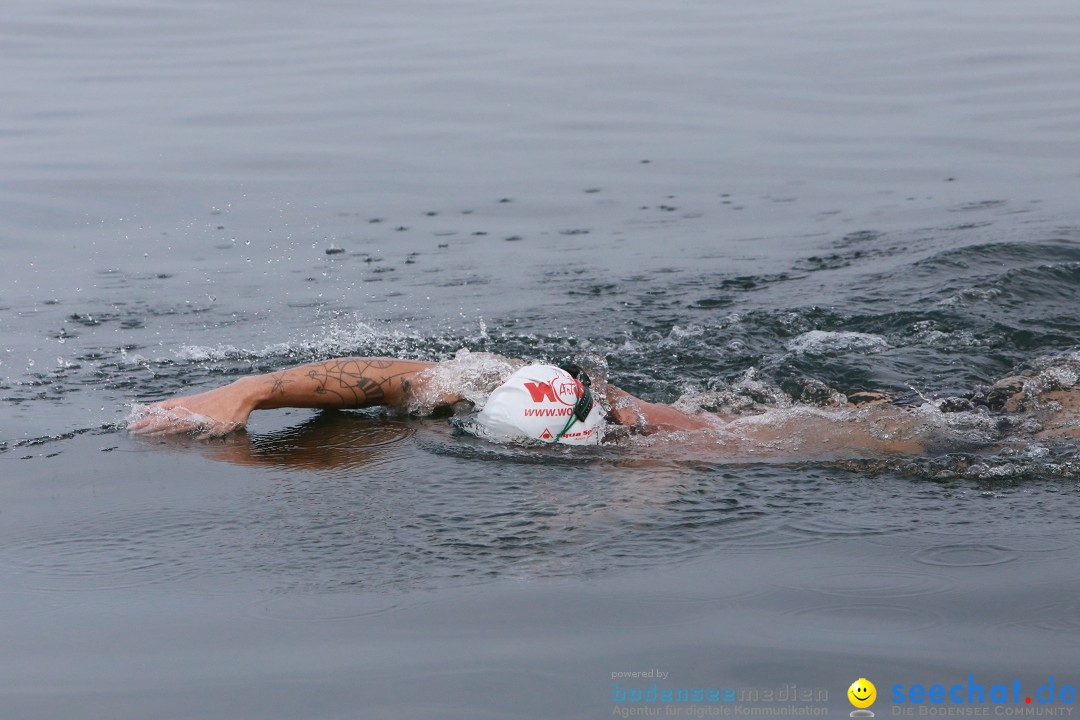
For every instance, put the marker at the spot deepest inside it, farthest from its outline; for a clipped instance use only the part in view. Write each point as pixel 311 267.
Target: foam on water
pixel 820 342
pixel 338 337
pixel 468 375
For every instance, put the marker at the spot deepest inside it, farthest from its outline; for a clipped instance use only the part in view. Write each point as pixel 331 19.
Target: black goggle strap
pixel 584 404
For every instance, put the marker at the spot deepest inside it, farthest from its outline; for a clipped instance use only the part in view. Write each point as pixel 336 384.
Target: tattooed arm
pixel 338 383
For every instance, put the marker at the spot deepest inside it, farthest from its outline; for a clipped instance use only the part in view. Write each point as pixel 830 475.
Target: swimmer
pixel 537 401
pixel 548 404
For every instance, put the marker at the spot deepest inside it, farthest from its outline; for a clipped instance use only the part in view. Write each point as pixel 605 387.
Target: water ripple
pixel 866 619
pixel 869 583
pixel 965 555
pixel 139 548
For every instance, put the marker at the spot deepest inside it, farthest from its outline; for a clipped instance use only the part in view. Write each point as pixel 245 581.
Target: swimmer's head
pixel 543 403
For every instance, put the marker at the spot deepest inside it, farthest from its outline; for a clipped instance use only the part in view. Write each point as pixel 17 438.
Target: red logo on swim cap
pixel 565 390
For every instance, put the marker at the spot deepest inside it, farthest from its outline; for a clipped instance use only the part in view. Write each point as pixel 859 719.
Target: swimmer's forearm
pixel 627 409
pixel 337 383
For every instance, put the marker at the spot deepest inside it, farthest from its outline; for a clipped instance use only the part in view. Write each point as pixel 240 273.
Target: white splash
pixel 467 375
pixel 823 342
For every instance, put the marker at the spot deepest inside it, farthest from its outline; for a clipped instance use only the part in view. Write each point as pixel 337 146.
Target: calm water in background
pixel 717 200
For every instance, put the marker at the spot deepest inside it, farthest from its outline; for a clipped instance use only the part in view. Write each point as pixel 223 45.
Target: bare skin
pixel 651 417
pixel 333 384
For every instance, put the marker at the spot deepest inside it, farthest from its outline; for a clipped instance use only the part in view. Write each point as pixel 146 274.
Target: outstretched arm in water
pixel 353 383
pixel 338 383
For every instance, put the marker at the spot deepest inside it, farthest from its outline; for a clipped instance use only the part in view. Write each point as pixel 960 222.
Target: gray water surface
pixel 726 204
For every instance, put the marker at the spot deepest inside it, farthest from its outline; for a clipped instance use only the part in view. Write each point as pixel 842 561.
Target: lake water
pixel 749 205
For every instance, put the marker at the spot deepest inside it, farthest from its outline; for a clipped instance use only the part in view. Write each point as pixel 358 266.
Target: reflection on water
pixel 329 443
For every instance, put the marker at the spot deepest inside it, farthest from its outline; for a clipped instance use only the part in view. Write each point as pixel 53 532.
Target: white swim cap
pixel 539 402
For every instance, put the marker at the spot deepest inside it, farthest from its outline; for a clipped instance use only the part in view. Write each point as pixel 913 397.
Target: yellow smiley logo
pixel 862 693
